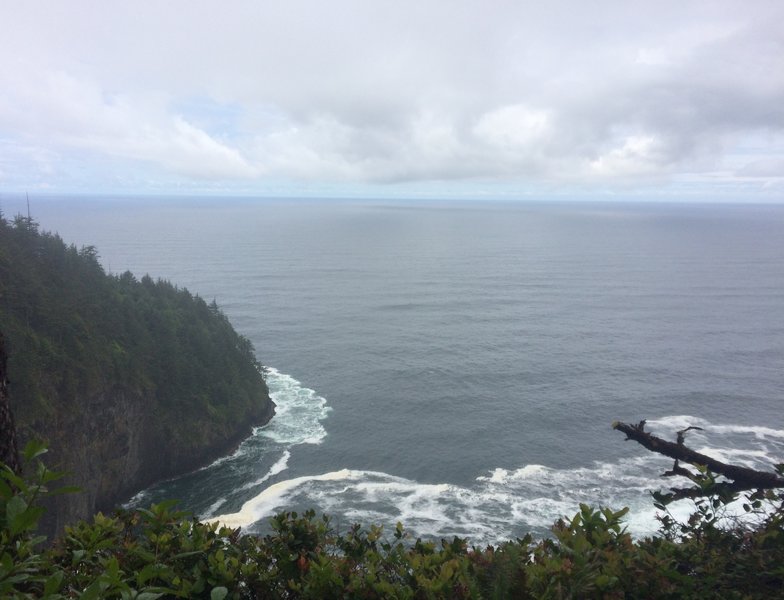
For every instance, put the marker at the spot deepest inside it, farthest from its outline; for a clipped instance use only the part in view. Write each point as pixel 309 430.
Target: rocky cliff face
pixel 116 445
pixel 9 453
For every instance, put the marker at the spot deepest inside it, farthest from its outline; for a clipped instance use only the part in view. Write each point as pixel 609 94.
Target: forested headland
pixel 128 381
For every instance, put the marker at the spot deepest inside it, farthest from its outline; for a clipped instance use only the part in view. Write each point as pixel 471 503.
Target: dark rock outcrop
pixel 116 447
pixel 9 453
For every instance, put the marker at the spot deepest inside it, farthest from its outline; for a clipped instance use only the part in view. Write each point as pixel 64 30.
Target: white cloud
pixel 351 92
pixel 638 155
pixel 772 167
pixel 64 111
pixel 512 127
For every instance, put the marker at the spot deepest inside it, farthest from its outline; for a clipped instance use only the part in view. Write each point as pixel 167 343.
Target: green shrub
pixel 162 552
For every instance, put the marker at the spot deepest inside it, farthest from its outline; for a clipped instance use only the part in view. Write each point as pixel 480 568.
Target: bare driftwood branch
pixel 678 470
pixel 725 488
pixel 742 478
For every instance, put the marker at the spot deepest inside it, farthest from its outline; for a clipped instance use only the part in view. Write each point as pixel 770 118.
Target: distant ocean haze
pixel 456 365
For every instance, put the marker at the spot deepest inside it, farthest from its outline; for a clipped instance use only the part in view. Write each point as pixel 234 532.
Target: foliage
pixel 162 552
pixel 76 334
pixel 22 565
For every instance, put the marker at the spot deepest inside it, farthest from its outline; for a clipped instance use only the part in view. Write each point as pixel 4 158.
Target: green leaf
pixel 53 583
pixel 186 554
pixel 5 489
pixel 218 593
pixel 34 449
pixel 6 563
pixel 48 476
pixel 93 591
pixel 145 512
pixel 147 573
pixel 13 479
pixel 19 516
pixel 15 507
pixel 27 520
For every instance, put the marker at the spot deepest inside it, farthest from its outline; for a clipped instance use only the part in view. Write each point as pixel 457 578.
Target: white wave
pixel 262 505
pixel 753 459
pixel 241 451
pixel 674 423
pixel 280 465
pixel 502 503
pixel 298 412
pixel 287 393
pixel 758 432
pixel 499 506
pixel 212 508
pixel 753 446
pixel 678 422
pixel 298 415
pixel 137 499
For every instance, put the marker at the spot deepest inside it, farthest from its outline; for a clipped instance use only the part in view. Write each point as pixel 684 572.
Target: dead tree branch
pixel 742 478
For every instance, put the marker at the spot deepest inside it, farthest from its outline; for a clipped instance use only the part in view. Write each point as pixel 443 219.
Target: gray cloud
pixel 607 93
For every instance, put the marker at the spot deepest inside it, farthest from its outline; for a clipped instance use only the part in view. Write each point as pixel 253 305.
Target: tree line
pixel 129 380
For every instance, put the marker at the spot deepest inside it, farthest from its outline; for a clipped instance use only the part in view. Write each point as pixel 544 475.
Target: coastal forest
pixel 129 381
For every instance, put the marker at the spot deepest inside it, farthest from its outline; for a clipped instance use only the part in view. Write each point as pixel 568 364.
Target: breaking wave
pixel 503 503
pixel 500 503
pixel 298 415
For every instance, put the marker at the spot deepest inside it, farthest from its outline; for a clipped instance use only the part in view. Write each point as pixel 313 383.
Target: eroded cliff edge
pixel 116 446
pixel 129 381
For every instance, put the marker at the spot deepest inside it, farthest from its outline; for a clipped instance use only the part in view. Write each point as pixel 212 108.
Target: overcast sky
pixel 399 98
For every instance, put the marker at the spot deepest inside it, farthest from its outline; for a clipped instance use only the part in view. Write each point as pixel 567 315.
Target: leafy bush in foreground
pixel 161 552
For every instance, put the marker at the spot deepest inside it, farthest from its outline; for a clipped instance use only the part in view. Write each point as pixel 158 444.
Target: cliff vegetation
pixel 129 381
pixel 162 553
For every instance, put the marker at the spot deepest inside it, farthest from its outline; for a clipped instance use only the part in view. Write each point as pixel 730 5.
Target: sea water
pixel 457 365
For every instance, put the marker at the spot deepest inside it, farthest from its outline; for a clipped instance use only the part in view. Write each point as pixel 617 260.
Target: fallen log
pixel 743 478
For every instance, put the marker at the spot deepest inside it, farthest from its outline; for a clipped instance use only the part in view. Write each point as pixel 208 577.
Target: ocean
pixel 456 366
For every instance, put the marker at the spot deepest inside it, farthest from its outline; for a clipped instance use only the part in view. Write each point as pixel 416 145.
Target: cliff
pixel 128 381
pixel 115 447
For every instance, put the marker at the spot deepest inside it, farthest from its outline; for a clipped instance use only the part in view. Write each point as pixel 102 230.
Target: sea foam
pixel 298 414
pixel 504 503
